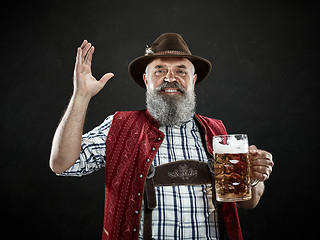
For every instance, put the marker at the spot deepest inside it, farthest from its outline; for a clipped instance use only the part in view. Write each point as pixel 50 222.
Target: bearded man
pixel 137 149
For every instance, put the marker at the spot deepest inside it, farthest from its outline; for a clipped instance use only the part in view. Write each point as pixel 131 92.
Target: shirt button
pixel 159 139
pixel 148 160
pixel 136 211
pixel 134 229
pixel 153 149
pixel 139 194
pixel 140 176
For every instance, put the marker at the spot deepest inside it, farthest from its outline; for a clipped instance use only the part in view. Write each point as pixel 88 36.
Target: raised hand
pixel 84 83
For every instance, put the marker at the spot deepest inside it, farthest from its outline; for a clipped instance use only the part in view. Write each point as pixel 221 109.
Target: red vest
pixel 132 143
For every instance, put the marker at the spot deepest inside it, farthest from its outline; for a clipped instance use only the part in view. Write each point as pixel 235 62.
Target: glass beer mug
pixel 232 168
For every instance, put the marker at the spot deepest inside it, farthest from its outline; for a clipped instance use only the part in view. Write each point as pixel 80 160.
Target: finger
pixel 262 172
pixel 86 50
pixel 262 169
pixel 259 153
pixel 78 60
pixel 260 176
pixel 262 162
pixel 105 78
pixel 83 44
pixel 262 155
pixel 86 47
pixel 89 56
pixel 78 54
pixel 265 154
pixel 262 165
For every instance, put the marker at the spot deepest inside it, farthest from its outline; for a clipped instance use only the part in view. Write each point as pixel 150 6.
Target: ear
pixel 194 79
pixel 145 80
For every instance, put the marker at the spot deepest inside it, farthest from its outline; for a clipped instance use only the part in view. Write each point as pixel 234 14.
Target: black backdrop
pixel 264 83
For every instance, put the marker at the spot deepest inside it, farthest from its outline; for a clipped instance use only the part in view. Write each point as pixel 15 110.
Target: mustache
pixel 170 85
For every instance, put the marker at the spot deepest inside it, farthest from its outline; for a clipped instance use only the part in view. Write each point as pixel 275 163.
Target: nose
pixel 170 77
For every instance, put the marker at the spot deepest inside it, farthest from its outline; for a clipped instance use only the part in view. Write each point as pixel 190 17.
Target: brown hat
pixel 168 45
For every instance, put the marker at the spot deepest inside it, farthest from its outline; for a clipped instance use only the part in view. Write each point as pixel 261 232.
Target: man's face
pixel 161 70
pixel 170 95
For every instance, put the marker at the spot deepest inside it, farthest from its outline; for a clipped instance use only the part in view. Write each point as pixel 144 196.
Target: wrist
pixel 78 105
pixel 81 99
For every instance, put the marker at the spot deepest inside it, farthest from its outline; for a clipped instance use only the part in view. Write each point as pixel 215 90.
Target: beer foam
pixel 234 146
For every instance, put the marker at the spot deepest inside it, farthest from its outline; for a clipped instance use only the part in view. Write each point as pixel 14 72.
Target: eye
pixel 181 72
pixel 160 72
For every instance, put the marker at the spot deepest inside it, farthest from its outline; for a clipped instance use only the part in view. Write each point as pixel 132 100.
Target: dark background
pixel 265 83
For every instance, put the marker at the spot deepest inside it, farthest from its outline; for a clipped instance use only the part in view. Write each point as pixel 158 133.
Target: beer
pixel 232 179
pixel 231 168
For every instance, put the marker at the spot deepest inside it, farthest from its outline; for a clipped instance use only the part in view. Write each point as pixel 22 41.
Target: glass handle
pixel 254 182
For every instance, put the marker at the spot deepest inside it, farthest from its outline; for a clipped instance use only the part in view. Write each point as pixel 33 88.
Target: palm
pixel 84 82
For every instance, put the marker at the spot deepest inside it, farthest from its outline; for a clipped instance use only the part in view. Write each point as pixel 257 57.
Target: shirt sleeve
pixel 93 151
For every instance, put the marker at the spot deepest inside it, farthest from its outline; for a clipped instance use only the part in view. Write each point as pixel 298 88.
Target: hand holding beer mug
pixel 232 168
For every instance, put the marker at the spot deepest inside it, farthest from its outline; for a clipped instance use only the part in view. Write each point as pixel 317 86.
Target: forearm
pixel 66 145
pixel 257 192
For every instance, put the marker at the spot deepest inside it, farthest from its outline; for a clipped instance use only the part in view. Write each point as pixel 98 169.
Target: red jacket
pixel 132 143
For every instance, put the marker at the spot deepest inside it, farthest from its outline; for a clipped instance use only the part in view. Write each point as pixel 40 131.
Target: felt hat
pixel 168 45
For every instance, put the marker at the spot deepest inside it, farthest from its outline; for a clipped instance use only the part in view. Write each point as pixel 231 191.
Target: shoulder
pixel 215 124
pixel 209 120
pixel 128 113
pixel 128 117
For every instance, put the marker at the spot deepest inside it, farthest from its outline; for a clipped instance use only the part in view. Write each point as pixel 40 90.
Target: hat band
pixel 171 52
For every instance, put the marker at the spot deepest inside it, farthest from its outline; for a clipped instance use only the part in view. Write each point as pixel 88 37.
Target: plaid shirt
pixel 182 212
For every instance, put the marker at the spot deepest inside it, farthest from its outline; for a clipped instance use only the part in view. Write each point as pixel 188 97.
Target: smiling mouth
pixel 171 90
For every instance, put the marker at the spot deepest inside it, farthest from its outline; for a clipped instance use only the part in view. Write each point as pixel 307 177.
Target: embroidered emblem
pixel 183 172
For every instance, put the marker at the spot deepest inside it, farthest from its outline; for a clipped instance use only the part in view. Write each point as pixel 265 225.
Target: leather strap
pixel 183 172
pixel 147 215
pixel 150 202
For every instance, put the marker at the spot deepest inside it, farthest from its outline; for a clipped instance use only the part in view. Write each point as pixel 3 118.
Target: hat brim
pixel 138 66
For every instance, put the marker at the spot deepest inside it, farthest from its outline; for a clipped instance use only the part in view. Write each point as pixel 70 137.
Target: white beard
pixel 171 110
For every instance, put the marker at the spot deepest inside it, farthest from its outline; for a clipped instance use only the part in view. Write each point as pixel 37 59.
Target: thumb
pixel 253 150
pixel 105 78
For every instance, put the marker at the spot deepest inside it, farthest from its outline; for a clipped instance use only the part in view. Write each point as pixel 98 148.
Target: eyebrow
pixel 158 66
pixel 179 66
pixel 182 66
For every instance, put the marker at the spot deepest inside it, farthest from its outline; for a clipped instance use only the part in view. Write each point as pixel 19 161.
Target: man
pixel 131 144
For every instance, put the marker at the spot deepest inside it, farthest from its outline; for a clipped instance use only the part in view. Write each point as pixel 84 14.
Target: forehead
pixel 170 62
